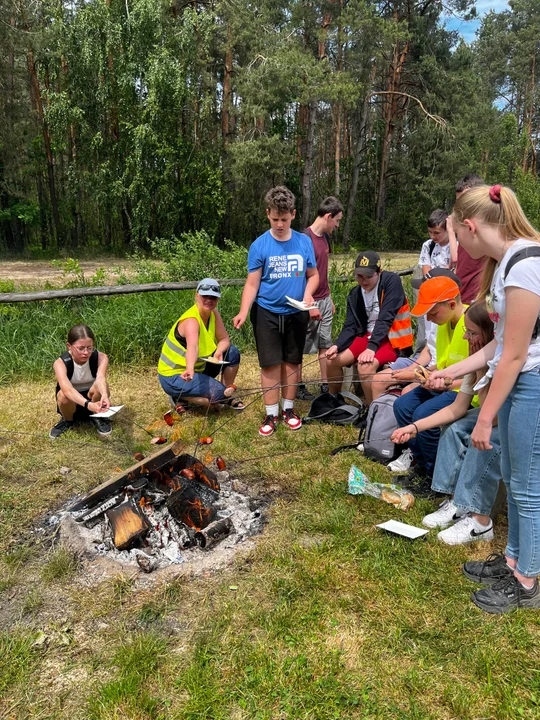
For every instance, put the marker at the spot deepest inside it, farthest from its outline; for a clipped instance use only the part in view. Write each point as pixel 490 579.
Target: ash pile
pixel 167 509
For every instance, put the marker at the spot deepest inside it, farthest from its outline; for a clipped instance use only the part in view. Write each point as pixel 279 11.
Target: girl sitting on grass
pixel 81 384
pixel 470 476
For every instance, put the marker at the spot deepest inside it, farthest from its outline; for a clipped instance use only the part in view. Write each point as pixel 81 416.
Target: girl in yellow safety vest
pixel 196 350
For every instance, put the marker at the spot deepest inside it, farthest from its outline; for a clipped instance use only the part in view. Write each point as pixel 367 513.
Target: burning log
pixel 127 524
pixel 214 532
pixel 192 504
pixel 168 454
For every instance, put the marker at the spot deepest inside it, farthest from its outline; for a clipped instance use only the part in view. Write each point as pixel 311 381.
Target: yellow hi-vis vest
pixel 173 355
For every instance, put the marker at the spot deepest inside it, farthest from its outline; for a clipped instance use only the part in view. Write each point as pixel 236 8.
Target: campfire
pixel 162 509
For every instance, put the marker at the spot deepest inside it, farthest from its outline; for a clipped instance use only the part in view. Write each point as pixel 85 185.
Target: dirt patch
pixel 40 272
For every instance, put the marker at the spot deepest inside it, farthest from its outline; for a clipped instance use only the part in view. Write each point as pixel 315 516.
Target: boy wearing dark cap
pixel 440 301
pixel 377 326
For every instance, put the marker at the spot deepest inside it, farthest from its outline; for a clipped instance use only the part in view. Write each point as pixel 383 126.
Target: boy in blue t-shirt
pixel 280 262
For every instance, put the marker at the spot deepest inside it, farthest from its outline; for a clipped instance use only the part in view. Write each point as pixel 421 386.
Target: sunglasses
pixel 206 288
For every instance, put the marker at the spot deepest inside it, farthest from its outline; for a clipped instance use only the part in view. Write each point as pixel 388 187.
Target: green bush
pixel 192 257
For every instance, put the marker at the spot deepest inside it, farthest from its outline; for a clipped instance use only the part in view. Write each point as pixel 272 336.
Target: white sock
pixel 272 409
pixel 287 404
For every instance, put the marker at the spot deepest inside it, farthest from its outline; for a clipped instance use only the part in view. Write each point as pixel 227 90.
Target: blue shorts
pixel 204 383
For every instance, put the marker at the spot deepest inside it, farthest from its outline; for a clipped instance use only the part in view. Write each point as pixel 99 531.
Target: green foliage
pixel 193 257
pixel 137 662
pixel 17 659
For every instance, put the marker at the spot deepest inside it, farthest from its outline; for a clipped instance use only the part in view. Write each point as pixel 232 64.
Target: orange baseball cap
pixel 436 290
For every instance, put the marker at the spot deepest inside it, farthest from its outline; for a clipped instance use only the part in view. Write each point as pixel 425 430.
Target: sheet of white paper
pixel 214 361
pixel 108 413
pixel 299 304
pixel 400 528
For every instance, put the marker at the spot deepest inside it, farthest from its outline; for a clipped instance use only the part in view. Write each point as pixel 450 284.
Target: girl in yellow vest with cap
pixel 183 368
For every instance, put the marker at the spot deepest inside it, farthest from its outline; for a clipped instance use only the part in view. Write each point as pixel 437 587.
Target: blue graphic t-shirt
pixel 284 265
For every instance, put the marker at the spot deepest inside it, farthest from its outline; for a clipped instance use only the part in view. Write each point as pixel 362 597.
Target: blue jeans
pixel 519 429
pixel 471 475
pixel 416 405
pixel 204 383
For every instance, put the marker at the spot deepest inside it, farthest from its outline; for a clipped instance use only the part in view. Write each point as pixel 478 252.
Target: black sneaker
pixel 506 595
pixel 103 426
pixel 488 571
pixel 60 428
pixel 325 388
pixel 416 481
pixel 302 393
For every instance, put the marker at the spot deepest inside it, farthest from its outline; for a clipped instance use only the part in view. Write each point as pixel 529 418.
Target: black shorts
pixel 81 413
pixel 279 338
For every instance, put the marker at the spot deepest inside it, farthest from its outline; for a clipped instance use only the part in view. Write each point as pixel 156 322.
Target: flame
pixel 196 508
pixel 207 458
pixel 142 502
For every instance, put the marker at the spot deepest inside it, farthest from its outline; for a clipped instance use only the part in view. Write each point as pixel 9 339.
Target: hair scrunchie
pixel 495 193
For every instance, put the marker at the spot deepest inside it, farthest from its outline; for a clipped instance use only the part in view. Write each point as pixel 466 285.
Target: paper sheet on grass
pixel 108 413
pixel 399 528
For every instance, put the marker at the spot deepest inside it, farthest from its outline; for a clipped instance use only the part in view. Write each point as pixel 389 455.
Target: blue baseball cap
pixel 209 286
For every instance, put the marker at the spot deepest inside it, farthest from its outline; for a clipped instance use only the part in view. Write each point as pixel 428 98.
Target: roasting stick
pixel 259 394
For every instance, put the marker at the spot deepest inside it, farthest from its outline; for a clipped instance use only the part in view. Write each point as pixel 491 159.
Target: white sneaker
pixel 402 463
pixel 446 515
pixel 468 529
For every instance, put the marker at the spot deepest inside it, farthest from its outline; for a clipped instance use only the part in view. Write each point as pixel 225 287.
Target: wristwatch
pixel 86 404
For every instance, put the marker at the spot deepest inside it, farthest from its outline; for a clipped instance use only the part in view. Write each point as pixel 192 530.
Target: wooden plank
pixel 125 477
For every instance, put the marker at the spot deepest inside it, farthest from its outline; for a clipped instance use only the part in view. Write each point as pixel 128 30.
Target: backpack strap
pixel 94 357
pixel 523 254
pixel 431 248
pixel 68 362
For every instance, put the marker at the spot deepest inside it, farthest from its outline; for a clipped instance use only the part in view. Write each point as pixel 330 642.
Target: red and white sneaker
pixel 291 419
pixel 269 426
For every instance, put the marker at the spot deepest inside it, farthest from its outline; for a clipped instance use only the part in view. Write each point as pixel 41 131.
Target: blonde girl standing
pixel 490 221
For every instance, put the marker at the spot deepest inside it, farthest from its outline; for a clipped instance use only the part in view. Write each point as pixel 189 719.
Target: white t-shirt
pixel 431 340
pixel 371 301
pixel 440 257
pixel 82 376
pixel 526 275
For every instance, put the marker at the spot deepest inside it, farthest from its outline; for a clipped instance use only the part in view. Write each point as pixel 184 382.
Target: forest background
pixel 128 124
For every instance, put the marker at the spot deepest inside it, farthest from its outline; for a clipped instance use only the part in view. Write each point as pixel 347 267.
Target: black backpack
pixel 334 410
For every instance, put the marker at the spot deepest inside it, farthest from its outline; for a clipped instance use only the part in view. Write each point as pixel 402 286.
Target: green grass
pixel 61 565
pixel 331 618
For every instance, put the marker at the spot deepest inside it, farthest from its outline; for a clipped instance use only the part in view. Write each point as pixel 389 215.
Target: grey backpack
pixel 380 424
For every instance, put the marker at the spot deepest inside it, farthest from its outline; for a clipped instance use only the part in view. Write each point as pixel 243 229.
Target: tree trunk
pixel 391 112
pixel 227 90
pixel 361 143
pixel 308 163
pixel 38 102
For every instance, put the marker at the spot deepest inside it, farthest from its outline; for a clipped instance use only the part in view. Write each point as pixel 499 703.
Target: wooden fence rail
pixel 127 289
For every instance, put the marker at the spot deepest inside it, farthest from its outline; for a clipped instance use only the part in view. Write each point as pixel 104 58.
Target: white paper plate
pixel 400 528
pixel 214 361
pixel 299 304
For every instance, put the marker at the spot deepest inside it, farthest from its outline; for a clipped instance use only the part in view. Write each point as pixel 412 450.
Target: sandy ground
pixel 40 272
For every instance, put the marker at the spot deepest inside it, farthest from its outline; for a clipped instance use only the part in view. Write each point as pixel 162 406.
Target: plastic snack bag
pixel 359 484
